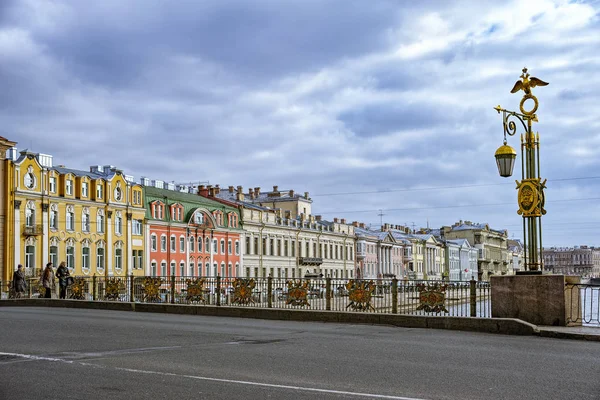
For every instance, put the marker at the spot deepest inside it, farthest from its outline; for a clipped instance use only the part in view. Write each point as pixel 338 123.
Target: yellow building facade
pixel 93 221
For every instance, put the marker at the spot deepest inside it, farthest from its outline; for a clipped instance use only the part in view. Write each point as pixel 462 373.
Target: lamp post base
pixel 529 272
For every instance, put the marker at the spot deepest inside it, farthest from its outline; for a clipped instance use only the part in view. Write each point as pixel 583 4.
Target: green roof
pixel 189 201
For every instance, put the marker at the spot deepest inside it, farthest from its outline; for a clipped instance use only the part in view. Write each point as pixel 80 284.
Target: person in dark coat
pixel 19 283
pixel 47 280
pixel 62 273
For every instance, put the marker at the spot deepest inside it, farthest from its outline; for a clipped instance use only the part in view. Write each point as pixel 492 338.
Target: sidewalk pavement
pixel 591 333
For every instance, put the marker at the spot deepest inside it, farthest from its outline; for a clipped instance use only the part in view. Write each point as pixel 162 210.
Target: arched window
pixel 71 255
pixel 100 221
pixel 229 247
pixel 222 269
pixel 30 214
pixel 30 255
pixel 85 219
pixel 191 268
pixel 200 244
pixel 237 248
pixel 215 269
pixel 237 270
pixel 163 243
pixel 207 272
pixel 54 216
pixel 153 242
pixel 173 267
pixel 192 244
pixel 85 256
pixel 70 221
pixel 100 256
pixel 54 242
pixel 182 269
pixel 118 257
pixel 118 223
pixel 229 270
pixel 199 268
pixel 207 245
pixel 222 246
pixel 153 268
pixel 163 268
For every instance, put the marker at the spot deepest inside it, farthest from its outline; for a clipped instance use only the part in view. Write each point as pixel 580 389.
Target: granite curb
pixel 507 326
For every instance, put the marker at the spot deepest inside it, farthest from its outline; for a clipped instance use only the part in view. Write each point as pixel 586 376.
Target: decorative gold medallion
pixel 531 197
pixel 298 293
pixel 77 289
pixel 360 294
pixel 113 289
pixel 151 290
pixel 432 297
pixel 242 291
pixel 195 290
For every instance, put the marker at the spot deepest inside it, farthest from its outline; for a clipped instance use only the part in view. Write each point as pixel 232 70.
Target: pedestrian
pixel 47 280
pixel 62 273
pixel 19 283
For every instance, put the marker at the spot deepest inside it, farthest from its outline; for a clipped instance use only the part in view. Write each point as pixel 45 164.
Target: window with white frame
pixel 198 218
pixel 173 243
pixel 118 223
pixel 207 267
pixel 199 268
pixel 70 256
pixel 30 214
pixel 84 189
pixel 157 210
pixel 100 221
pixel 215 246
pixel 222 246
pixel 182 244
pixel 163 268
pixel 54 253
pixel 173 267
pixel 237 247
pixel 229 247
pixel 207 247
pixel 99 191
pixel 182 269
pixel 85 220
pixel 215 269
pixel 136 227
pixel 222 269
pixel 54 216
pixel 200 244
pixel 153 242
pixel 192 244
pixel 153 268
pixel 30 257
pixel 191 269
pixel 69 186
pixel 70 222
pixel 100 256
pixel 85 257
pixel 118 256
pixel 52 184
pixel 229 270
pixel 163 243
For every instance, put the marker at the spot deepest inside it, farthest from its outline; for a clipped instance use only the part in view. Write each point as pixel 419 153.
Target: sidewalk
pixel 591 333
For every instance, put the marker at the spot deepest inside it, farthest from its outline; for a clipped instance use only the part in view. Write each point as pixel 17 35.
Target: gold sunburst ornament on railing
pixel 360 294
pixel 432 297
pixel 113 289
pixel 298 293
pixel 195 290
pixel 151 290
pixel 77 289
pixel 242 291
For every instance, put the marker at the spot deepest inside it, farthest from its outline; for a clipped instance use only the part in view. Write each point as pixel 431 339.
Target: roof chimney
pixel 202 191
pixel 355 223
pixel 257 191
pixel 336 220
pixel 275 188
pixel 362 225
pixel 306 195
pixel 291 193
pixel 343 221
pixel 231 189
pixel 217 189
pixel 318 217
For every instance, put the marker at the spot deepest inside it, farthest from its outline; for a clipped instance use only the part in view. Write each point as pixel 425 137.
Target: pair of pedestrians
pixel 47 280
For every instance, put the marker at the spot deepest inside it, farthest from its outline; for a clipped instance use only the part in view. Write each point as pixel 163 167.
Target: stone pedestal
pixel 537 299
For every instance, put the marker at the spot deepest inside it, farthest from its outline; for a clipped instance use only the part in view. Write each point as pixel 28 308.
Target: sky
pixel 382 110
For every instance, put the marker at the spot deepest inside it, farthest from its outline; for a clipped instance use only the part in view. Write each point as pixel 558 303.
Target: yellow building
pixel 91 220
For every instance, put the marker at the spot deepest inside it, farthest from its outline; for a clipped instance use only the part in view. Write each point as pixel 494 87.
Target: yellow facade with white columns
pixel 91 220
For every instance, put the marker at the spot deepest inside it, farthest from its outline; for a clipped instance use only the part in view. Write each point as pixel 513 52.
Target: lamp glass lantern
pixel 505 159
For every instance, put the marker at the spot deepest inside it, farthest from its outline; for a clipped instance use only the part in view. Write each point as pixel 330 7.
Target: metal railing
pixel 582 304
pixel 414 297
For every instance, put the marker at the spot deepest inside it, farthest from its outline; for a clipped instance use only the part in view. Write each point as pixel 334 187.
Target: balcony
pixel 33 230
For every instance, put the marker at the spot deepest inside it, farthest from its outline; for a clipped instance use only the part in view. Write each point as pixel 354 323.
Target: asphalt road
pixel 92 354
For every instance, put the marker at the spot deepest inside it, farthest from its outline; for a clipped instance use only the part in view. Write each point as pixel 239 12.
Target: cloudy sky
pixel 368 105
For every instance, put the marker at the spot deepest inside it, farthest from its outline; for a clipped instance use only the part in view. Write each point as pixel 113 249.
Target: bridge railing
pixel 414 297
pixel 583 304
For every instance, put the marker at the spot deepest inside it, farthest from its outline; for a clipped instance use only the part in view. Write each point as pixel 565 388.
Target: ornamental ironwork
pixel 432 297
pixel 360 294
pixel 298 293
pixel 113 289
pixel 77 289
pixel 151 290
pixel 242 291
pixel 531 197
pixel 195 290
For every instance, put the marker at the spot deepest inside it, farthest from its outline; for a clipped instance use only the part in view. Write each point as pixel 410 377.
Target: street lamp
pixel 531 188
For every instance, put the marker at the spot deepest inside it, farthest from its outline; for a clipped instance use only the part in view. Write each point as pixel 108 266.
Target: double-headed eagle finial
pixel 527 83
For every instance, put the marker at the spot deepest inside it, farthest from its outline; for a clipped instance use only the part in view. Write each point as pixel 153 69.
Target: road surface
pixel 95 354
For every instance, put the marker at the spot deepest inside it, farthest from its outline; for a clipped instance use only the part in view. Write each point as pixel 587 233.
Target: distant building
pixel 582 261
pixel 379 254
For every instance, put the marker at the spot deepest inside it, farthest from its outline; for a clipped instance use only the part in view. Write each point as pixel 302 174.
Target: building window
pixel 85 220
pixel 84 189
pixel 182 269
pixel 100 221
pixel 52 184
pixel 100 258
pixel 153 268
pixel 229 247
pixel 215 269
pixel 118 223
pixel 199 268
pixel 199 245
pixel 85 258
pixel 182 244
pixel 207 266
pixel 198 218
pixel 285 247
pixel 247 244
pixel 192 244
pixel 54 216
pixel 30 258
pixel 69 186
pixel 137 259
pixel 153 242
pixel 173 265
pixel 229 270
pixel 191 270
pixel 173 243
pixel 222 269
pixel 70 218
pixel 137 227
pixel 163 243
pixel 54 255
pixel 99 192
pixel 222 246
pixel 163 268
pixel 70 257
pixel 215 246
pixel 118 259
pixel 237 247
pixel 29 215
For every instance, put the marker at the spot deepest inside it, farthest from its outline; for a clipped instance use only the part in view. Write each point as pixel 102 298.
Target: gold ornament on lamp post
pixel 531 187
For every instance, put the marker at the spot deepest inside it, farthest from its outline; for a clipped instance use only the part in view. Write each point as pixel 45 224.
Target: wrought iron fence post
pixel 473 296
pixel 328 293
pixel 94 294
pixel 131 288
pixel 395 296
pixel 31 281
pixel 218 294
pixel 270 292
pixel 172 289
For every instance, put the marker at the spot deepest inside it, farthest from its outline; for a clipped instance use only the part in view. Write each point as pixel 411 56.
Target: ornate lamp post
pixel 531 188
